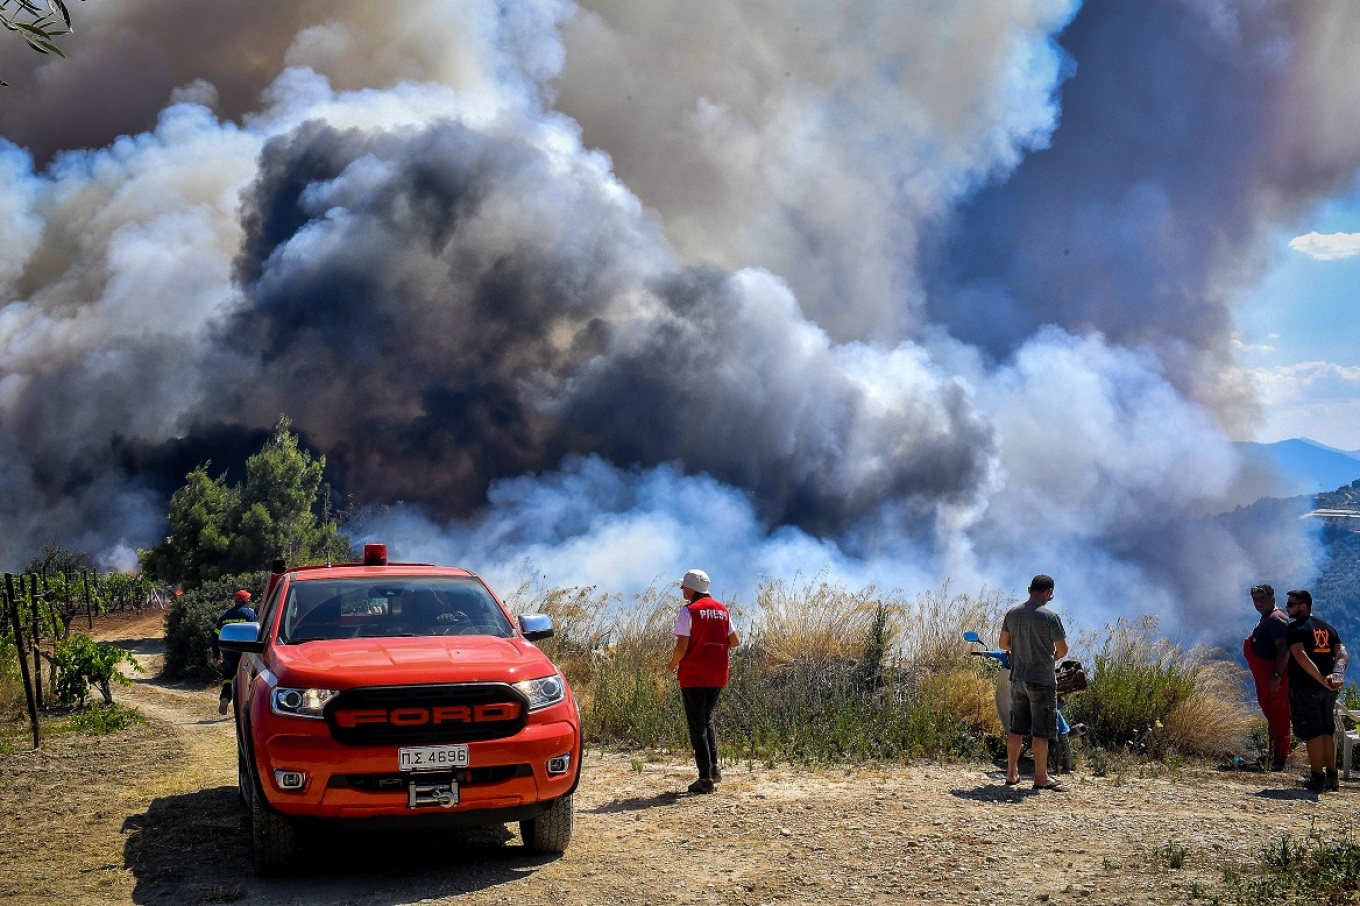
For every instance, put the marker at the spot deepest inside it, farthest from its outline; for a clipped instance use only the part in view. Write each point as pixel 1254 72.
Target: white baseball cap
pixel 696 580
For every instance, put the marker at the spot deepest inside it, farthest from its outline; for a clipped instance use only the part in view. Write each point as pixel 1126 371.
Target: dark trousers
pixel 228 675
pixel 700 702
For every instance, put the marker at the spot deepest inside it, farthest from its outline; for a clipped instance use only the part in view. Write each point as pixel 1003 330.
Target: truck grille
pixel 426 715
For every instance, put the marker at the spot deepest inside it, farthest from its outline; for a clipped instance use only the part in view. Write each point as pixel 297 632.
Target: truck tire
pixel 273 838
pixel 550 832
pixel 244 782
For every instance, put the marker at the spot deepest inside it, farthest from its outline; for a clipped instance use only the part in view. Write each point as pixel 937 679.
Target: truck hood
pixel 346 663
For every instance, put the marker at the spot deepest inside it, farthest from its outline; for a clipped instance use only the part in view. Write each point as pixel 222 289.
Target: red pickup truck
pixel 398 694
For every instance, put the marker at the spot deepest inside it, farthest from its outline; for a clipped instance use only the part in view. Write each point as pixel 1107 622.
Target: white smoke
pixel 609 291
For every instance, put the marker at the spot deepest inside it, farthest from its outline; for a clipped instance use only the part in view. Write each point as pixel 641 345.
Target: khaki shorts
pixel 1034 709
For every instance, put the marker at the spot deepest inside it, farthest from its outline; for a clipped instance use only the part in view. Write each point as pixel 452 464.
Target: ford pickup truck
pixel 381 694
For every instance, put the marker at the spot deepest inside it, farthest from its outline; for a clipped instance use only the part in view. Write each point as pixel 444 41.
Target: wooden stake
pixel 13 606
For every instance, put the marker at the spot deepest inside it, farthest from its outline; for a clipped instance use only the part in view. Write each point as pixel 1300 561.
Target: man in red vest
pixel 703 636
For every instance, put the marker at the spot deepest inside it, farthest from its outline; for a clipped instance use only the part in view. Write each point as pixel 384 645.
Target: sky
pixel 588 294
pixel 1299 335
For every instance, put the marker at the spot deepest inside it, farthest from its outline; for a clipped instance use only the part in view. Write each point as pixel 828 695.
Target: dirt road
pixel 150 815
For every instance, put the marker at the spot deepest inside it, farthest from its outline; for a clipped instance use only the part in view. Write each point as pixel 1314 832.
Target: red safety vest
pixel 705 662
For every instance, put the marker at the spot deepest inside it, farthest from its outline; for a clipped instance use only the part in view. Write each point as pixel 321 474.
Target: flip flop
pixel 1054 785
pixel 1013 782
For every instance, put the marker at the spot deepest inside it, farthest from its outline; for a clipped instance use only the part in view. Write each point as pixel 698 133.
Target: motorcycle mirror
pixel 972 636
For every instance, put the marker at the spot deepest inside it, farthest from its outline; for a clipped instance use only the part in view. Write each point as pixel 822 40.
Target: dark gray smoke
pixel 396 300
pixel 606 291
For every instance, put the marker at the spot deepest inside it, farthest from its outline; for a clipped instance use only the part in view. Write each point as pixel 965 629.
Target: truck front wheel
pixel 273 838
pixel 550 832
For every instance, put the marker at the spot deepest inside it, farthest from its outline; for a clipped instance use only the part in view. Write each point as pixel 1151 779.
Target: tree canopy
pixel 281 511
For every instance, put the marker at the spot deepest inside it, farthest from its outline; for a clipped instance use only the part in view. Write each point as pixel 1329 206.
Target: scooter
pixel 1060 746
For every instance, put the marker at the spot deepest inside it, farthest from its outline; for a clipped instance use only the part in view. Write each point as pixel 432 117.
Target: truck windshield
pixel 390 607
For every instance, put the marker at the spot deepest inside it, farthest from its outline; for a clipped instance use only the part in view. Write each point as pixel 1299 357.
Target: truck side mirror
pixel 535 626
pixel 244 637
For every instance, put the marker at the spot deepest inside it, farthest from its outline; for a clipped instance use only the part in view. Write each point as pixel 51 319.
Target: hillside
pixel 1336 583
pixel 1337 588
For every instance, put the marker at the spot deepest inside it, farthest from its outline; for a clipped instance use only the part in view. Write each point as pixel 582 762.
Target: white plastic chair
pixel 1347 739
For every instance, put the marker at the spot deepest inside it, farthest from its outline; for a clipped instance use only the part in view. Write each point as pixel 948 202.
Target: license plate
pixel 432 758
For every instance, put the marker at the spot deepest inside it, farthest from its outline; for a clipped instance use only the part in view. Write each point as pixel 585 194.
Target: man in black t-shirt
pixel 1316 671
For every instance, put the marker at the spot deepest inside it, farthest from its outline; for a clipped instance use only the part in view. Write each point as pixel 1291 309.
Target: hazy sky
pixel 1299 331
pixel 591 293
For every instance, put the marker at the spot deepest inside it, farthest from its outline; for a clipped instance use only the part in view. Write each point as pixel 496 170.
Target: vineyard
pixel 58 666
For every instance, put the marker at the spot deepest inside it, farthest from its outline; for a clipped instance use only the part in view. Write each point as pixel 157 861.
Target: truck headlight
pixel 300 702
pixel 543 692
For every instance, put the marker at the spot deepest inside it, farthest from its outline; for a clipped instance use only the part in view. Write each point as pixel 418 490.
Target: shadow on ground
pixel 146 646
pixel 997 792
pixel 636 803
pixel 195 848
pixel 1288 793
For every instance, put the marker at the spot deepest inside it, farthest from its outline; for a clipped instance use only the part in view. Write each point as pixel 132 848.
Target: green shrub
pixel 82 663
pixel 1150 697
pixel 191 624
pixel 1312 869
pixel 101 719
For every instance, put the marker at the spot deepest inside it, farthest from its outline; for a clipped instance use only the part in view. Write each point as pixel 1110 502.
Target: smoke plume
pixel 600 292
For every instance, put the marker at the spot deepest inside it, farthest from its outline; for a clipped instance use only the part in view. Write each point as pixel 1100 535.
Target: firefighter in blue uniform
pixel 240 611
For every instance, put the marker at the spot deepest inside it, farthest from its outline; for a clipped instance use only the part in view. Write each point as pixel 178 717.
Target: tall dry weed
pixel 1214 720
pixel 827 672
pixel 815 623
pixel 933 625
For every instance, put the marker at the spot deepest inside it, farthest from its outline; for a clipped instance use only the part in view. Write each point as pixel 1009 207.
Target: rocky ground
pixel 150 815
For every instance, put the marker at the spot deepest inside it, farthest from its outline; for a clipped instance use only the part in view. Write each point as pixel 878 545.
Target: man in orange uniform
pixel 1267 654
pixel 703 636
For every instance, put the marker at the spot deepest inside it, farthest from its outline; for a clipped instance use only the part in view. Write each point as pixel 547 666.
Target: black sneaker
pixel 222 705
pixel 1332 781
pixel 1315 782
pixel 702 785
pixel 1278 762
pixel 716 774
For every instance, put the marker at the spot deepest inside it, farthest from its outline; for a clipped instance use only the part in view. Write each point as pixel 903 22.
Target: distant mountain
pixel 1306 466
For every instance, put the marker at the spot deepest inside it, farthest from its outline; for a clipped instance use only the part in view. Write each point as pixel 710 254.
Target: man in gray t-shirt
pixel 1036 639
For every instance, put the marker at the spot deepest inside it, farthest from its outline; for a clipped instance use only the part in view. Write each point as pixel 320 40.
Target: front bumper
pixel 506 776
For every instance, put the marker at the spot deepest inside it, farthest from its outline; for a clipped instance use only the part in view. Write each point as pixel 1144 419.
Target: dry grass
pixel 822 621
pixel 934 624
pixel 1155 697
pixel 1214 719
pixel 817 623
pixel 966 694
